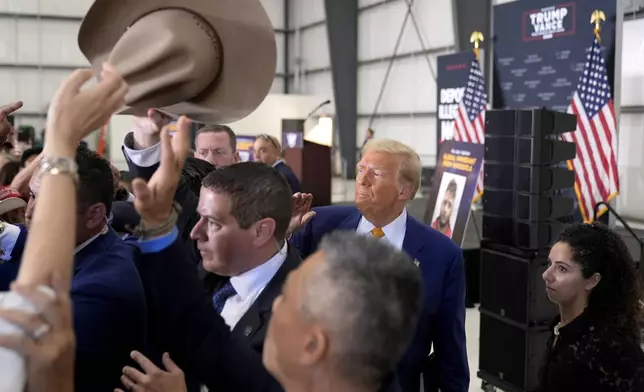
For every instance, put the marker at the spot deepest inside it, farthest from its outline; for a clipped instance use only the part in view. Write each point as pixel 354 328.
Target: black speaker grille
pixel 512 354
pixel 512 287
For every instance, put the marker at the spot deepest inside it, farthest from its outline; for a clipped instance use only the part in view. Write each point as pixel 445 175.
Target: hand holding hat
pixel 154 199
pixel 147 130
pixel 73 114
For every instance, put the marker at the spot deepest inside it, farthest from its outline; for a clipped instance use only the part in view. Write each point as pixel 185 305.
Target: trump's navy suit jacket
pixel 109 308
pixel 442 321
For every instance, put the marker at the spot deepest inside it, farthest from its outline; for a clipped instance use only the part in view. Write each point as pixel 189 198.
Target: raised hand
pixel 154 198
pixel 147 130
pixel 152 378
pixel 5 127
pixel 75 113
pixel 301 211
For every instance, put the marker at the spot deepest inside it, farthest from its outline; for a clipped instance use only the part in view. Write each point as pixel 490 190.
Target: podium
pixel 311 162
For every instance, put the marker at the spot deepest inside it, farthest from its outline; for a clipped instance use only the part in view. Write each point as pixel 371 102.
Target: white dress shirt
pixel 394 231
pixel 249 286
pixel 90 240
pixel 277 162
pixel 144 158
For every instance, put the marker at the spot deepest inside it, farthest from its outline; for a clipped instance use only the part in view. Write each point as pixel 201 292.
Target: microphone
pixel 320 106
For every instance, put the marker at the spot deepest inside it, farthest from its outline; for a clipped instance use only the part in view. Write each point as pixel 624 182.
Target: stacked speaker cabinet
pixel 523 207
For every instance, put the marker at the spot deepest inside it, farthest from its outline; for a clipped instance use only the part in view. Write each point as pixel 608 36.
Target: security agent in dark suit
pixel 268 150
pixel 321 338
pixel 245 210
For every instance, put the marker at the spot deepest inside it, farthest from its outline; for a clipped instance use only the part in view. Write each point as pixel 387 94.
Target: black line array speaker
pixel 523 213
pixel 516 290
pixel 511 355
pixel 523 171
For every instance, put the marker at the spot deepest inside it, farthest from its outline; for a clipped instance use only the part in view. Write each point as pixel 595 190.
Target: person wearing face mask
pixel 595 342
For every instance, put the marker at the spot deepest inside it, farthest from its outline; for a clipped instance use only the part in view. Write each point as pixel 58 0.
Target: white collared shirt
pixel 90 240
pixel 277 162
pixel 249 286
pixel 146 157
pixel 394 231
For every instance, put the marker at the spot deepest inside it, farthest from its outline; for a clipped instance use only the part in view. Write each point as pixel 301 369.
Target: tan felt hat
pixel 211 60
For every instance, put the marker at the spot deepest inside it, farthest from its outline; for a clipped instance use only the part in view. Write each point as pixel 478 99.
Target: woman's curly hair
pixel 617 296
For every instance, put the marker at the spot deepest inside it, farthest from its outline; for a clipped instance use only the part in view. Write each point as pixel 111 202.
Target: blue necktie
pixel 220 296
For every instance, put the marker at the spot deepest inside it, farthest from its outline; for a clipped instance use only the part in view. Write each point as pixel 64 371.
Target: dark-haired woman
pixel 595 344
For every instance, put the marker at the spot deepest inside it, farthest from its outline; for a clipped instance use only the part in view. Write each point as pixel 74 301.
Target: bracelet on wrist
pixel 58 166
pixel 142 231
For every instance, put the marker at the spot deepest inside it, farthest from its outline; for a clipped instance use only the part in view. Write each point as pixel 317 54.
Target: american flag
pixel 595 166
pixel 470 121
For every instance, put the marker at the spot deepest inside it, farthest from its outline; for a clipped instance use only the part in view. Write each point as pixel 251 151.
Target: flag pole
pixel 476 38
pixel 597 17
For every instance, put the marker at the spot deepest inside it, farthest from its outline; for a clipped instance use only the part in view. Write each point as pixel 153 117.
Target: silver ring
pixel 41 331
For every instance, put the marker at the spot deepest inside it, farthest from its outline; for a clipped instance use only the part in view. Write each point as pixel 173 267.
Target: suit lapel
pixel 351 221
pixel 413 243
pixel 257 316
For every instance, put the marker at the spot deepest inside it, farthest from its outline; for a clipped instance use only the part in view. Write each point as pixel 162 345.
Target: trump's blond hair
pixel 409 170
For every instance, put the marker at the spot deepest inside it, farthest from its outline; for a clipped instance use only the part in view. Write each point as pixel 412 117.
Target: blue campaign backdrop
pixel 540 49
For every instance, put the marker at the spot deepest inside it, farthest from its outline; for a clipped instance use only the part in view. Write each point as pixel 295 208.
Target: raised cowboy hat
pixel 211 60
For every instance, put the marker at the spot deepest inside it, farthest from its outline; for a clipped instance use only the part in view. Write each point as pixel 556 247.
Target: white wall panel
pixel 379 27
pixel 29 41
pixel 32 86
pixel 410 86
pixel 46 7
pixel 416 132
pixel 632 93
pixel 631 166
pixel 313 48
pixel 318 84
pixel 304 12
pixel 275 11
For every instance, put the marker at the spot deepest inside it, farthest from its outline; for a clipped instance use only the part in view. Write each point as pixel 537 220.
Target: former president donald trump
pixel 388 176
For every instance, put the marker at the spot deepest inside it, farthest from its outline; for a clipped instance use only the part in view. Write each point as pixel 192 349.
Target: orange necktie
pixel 377 232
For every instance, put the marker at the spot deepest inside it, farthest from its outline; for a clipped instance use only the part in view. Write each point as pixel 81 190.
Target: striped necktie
pixel 377 232
pixel 221 296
